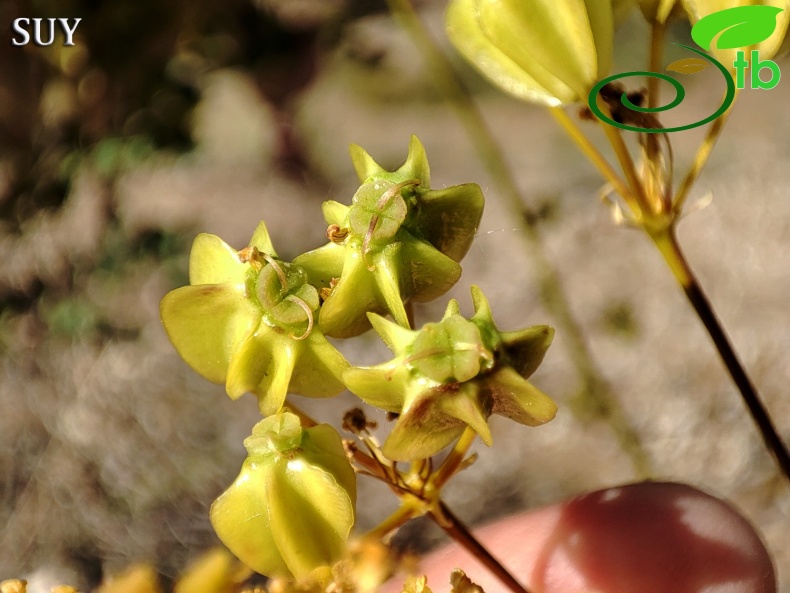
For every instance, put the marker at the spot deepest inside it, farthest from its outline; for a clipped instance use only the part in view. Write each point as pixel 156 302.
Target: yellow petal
pixel 261 240
pixel 334 212
pixel 206 324
pixel 212 261
pixel 518 399
pixel 263 365
pixel 311 516
pixel 319 368
pixel 241 519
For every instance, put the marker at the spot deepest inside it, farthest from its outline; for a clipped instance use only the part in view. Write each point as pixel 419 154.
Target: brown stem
pixel 455 528
pixel 670 249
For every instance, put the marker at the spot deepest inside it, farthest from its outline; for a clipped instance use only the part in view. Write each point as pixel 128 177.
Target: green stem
pixel 589 150
pixel 405 513
pixel 596 391
pixel 670 248
pixel 701 158
pixel 454 460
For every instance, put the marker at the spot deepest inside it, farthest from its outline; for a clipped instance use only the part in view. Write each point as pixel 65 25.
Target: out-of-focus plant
pixel 490 34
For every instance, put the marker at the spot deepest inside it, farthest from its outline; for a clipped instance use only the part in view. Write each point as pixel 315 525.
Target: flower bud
pixel 546 52
pixel 291 508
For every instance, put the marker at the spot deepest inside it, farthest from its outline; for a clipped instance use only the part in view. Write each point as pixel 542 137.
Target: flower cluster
pixel 259 324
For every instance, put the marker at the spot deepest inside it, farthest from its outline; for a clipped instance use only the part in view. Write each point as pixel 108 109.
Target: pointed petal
pixel 416 165
pixel 518 399
pixel 421 432
pixel 430 273
pixel 465 405
pixel 212 261
pixel 206 324
pixel 364 164
pixel 343 313
pixel 448 218
pixel 396 337
pixel 386 274
pixel 334 212
pixel 319 368
pixel 482 307
pixel 322 264
pixel 526 348
pixel 383 386
pixel 260 239
pixel 263 365
pixel 453 308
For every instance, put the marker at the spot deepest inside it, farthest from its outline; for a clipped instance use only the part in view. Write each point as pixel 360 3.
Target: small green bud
pixel 291 508
pixel 546 52
pixel 399 240
pixel 247 320
pixel 453 374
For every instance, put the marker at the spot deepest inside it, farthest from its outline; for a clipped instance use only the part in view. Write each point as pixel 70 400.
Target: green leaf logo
pixel 736 27
pixel 688 65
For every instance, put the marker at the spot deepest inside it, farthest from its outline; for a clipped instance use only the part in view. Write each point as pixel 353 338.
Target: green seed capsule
pixel 291 508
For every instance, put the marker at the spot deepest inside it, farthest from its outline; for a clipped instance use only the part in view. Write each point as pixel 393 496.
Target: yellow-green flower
pixel 453 374
pixel 247 320
pixel 546 52
pixel 399 240
pixel 291 508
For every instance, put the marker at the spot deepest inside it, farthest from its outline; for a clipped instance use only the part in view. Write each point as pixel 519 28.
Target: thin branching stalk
pixel 413 506
pixel 657 34
pixel 455 458
pixel 589 150
pixel 701 158
pixel 596 399
pixel 455 528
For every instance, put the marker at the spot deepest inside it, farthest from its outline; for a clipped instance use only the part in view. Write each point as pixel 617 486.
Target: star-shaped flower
pixel 399 240
pixel 247 320
pixel 453 374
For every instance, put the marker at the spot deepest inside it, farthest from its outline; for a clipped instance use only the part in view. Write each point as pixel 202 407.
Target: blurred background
pixel 168 119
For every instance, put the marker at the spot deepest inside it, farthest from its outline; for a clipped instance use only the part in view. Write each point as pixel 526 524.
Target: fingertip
pixel 649 537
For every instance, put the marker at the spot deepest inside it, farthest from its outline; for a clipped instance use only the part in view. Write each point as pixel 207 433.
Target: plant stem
pixel 669 247
pixel 596 393
pixel 657 32
pixel 454 459
pixel 701 158
pixel 384 530
pixel 588 149
pixel 636 199
pixel 453 527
